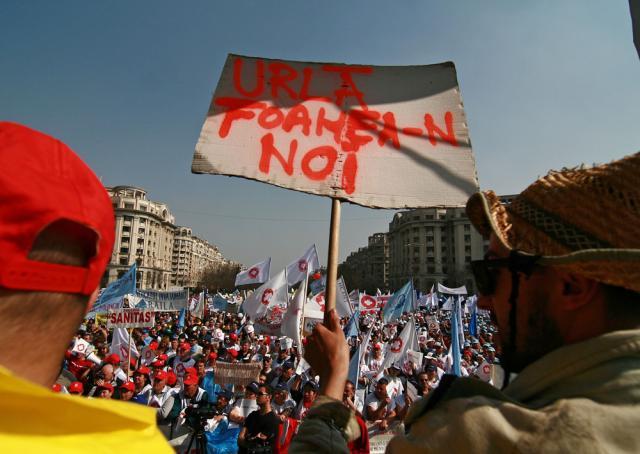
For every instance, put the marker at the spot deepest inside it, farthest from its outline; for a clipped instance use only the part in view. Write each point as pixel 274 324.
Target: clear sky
pixel 545 84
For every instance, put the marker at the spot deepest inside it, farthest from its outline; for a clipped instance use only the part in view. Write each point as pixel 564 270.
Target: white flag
pixel 82 346
pixel 299 269
pixel 448 305
pixel 343 303
pixel 291 324
pixel 267 304
pixel 120 345
pixel 452 291
pixel 397 348
pixel 256 274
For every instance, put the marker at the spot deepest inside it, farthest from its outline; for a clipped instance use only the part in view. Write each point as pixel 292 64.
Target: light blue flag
pixel 354 367
pixel 401 301
pixel 351 328
pixel 455 340
pixel 183 311
pixel 111 298
pixel 219 303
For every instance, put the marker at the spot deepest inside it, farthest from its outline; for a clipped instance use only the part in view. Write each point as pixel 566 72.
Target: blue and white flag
pixel 112 296
pixel 454 351
pixel 351 328
pixel 402 301
pixel 354 367
pixel 219 303
pixel 183 312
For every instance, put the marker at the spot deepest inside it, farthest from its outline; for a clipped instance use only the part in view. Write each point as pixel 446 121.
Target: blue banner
pixel 111 298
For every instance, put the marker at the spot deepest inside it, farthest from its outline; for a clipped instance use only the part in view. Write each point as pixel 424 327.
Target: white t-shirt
pixel 374 403
pixel 395 387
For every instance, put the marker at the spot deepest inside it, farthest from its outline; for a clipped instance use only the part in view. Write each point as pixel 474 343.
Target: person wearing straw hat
pixel 562 280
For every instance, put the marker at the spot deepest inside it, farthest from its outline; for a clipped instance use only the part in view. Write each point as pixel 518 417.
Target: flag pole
pixel 332 262
pixel 129 354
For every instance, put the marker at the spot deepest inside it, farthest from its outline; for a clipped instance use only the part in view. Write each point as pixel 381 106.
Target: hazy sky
pixel 545 84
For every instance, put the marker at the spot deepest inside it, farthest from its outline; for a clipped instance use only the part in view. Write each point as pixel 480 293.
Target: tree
pixel 220 276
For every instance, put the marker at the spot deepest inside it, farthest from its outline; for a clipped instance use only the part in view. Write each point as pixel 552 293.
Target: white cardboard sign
pixel 378 136
pixel 131 318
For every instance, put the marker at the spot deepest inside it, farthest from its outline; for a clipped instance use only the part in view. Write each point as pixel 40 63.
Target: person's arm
pixel 329 424
pixel 242 437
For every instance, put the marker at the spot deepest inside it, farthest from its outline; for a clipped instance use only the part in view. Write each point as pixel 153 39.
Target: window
pixel 124 250
pixel 126 228
pixel 124 261
pixel 467 238
pixel 128 206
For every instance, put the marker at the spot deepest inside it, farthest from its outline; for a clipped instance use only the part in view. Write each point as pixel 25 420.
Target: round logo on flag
pixel 253 272
pixel 80 348
pixel 302 265
pixel 396 346
pixel 266 296
pixel 368 302
pixel 486 369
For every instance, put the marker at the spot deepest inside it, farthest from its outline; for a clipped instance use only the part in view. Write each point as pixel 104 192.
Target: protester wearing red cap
pixel 183 360
pixel 57 388
pixel 126 391
pixel 56 238
pixel 76 387
pixel 104 391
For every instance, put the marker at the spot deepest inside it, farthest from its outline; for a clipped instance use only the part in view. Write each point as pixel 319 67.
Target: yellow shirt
pixel 35 419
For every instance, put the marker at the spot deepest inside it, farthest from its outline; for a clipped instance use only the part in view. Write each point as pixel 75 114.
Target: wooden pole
pixel 129 354
pixel 332 262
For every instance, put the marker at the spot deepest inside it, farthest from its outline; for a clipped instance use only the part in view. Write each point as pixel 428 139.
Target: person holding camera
pixel 261 426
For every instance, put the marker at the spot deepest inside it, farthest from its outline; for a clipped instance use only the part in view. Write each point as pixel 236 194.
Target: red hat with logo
pixel 160 375
pixel 190 379
pixel 171 378
pixel 233 336
pixel 162 357
pixel 56 388
pixel 184 347
pixel 143 370
pixel 45 184
pixel 213 355
pixel 233 352
pixel 76 387
pixel 157 364
pixel 128 386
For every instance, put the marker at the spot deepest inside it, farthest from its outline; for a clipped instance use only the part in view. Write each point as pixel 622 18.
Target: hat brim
pixel 613 266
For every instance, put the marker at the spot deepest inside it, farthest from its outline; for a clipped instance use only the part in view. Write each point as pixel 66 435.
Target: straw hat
pixel 583 220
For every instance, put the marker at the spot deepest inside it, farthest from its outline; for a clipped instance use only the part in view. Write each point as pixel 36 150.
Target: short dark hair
pixel 383 381
pixel 268 389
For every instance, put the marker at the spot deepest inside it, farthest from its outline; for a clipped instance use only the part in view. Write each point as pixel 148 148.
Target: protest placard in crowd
pixel 130 318
pixel 379 136
pixel 165 301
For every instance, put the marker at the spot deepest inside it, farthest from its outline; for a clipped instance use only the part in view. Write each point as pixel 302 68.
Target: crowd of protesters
pixel 180 374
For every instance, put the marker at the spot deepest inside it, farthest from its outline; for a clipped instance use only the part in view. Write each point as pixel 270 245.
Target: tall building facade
pixel 191 256
pixel 368 267
pixel 433 245
pixel 146 234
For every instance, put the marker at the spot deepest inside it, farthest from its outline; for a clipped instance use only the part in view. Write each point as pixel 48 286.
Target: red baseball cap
pixel 56 388
pixel 76 387
pixel 157 364
pixel 113 358
pixel 171 378
pixel 233 352
pixel 144 370
pixel 184 346
pixel 44 183
pixel 233 336
pixel 129 386
pixel 213 355
pixel 190 379
pixel 160 375
pixel 108 386
pixel 163 357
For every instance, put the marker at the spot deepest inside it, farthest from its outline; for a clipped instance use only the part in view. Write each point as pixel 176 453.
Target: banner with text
pixel 378 136
pixel 163 300
pixel 131 318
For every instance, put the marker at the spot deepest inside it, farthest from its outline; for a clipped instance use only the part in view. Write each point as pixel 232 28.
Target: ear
pixel 576 291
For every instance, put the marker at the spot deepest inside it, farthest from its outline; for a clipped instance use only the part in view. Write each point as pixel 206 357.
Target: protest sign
pixel 130 318
pixel 237 374
pixel 164 301
pixel 378 136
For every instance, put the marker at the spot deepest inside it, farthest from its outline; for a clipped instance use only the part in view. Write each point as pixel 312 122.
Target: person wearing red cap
pixel 76 387
pixel 142 383
pixel 126 391
pixel 104 391
pixel 191 396
pixel 183 360
pixel 57 388
pixel 56 238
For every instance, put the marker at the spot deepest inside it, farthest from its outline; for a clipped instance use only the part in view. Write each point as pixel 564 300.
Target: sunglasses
pixel 485 272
